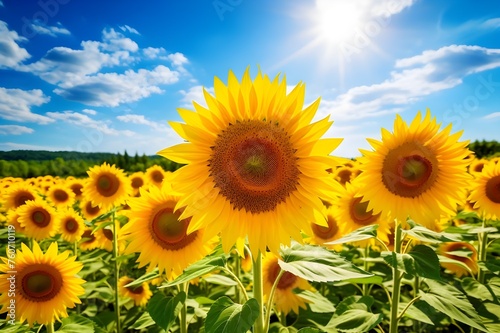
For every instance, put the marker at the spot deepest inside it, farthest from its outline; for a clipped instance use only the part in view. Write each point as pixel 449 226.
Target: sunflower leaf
pixel 225 316
pixel 450 301
pixel 355 320
pixel 317 302
pixel 315 263
pixel 145 278
pixel 476 289
pixel 421 261
pixel 76 324
pixel 426 235
pixel 363 233
pixel 164 310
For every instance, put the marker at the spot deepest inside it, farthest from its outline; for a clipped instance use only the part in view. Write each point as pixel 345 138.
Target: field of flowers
pixel 263 229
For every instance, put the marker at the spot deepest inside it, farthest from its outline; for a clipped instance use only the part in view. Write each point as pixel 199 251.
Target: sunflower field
pixel 263 229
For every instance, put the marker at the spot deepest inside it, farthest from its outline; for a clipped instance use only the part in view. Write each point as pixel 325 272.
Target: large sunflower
pixel 417 171
pixel 71 225
pixel 256 166
pixel 46 284
pixel 38 219
pixel 107 186
pixel 285 300
pixel 140 294
pixel 157 232
pixel 486 191
pixel 61 195
pixel 17 194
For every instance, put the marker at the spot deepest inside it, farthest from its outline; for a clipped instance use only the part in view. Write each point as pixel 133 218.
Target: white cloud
pixel 89 111
pixel 112 89
pixel 139 119
pixel 127 28
pixel 195 94
pixel 11 54
pixel 82 120
pixel 177 59
pixel 493 115
pixel 154 52
pixel 15 105
pixel 43 29
pixel 412 79
pixel 116 41
pixel 23 146
pixel 15 130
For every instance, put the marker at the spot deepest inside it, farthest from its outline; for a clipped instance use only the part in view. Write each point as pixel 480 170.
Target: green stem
pixel 365 267
pixel 407 306
pixel 50 327
pixel 117 274
pixel 416 290
pixel 270 300
pixel 396 283
pixel 75 252
pixel 183 314
pixel 283 318
pixel 258 293
pixel 238 281
pixel 483 242
pixel 237 270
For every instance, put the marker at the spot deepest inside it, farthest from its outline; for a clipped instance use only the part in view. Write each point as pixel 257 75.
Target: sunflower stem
pixel 270 300
pixel 117 274
pixel 237 270
pixel 50 327
pixel 75 252
pixel 183 314
pixel 396 283
pixel 416 290
pixel 240 285
pixel 258 292
pixel 283 318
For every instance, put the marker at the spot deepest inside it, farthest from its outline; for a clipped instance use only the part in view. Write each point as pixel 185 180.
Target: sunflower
pixel 285 300
pixel 137 180
pixel 417 171
pixel 46 284
pixel 456 251
pixel 61 195
pixel 140 294
pixel 266 164
pixel 155 174
pixel 17 194
pixel 13 219
pixel 76 186
pixel 107 186
pixel 38 219
pixel 89 210
pixel 477 165
pixel 344 174
pixel 71 225
pixel 105 236
pixel 320 235
pixel 89 240
pixel 486 191
pixel 353 212
pixel 157 232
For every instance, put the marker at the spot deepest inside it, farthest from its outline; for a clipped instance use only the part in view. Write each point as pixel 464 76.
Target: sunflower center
pixel 493 189
pixel 137 182
pixel 41 218
pixel 88 237
pixel 61 195
pixel 359 212
pixel 326 232
pixel 254 165
pixel 170 232
pixel 344 176
pixel 157 176
pixel 107 185
pixel 71 225
pixel 136 290
pixel 91 209
pixel 21 198
pixel 409 170
pixel 108 234
pixel 287 279
pixel 77 189
pixel 41 283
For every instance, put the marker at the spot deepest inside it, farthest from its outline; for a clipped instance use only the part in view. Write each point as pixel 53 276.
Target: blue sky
pixel 106 77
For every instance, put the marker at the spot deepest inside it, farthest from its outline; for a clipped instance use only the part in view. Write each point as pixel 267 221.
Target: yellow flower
pixel 107 186
pixel 477 165
pixel 17 194
pixel 256 166
pixel 156 231
pixel 486 191
pixel 46 284
pixel 137 180
pixel 38 219
pixel 89 210
pixel 285 300
pixel 88 241
pixel 76 186
pixel 140 294
pixel 71 225
pixel 155 175
pixel 447 249
pixel 105 237
pixel 320 235
pixel 417 171
pixel 61 195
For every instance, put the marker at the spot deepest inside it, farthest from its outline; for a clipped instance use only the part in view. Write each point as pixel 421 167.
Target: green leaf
pixel 317 302
pixel 355 320
pixel 220 280
pixel 144 321
pixel 421 261
pixel 475 289
pixel 164 310
pixel 76 324
pixel 354 302
pixel 315 263
pixel 198 269
pixel 308 330
pixel 145 278
pixel 426 235
pixel 363 233
pixel 416 313
pixel 225 316
pixel 452 302
pixel 375 279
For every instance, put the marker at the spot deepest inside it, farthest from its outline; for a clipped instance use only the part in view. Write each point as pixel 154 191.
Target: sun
pixel 336 21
